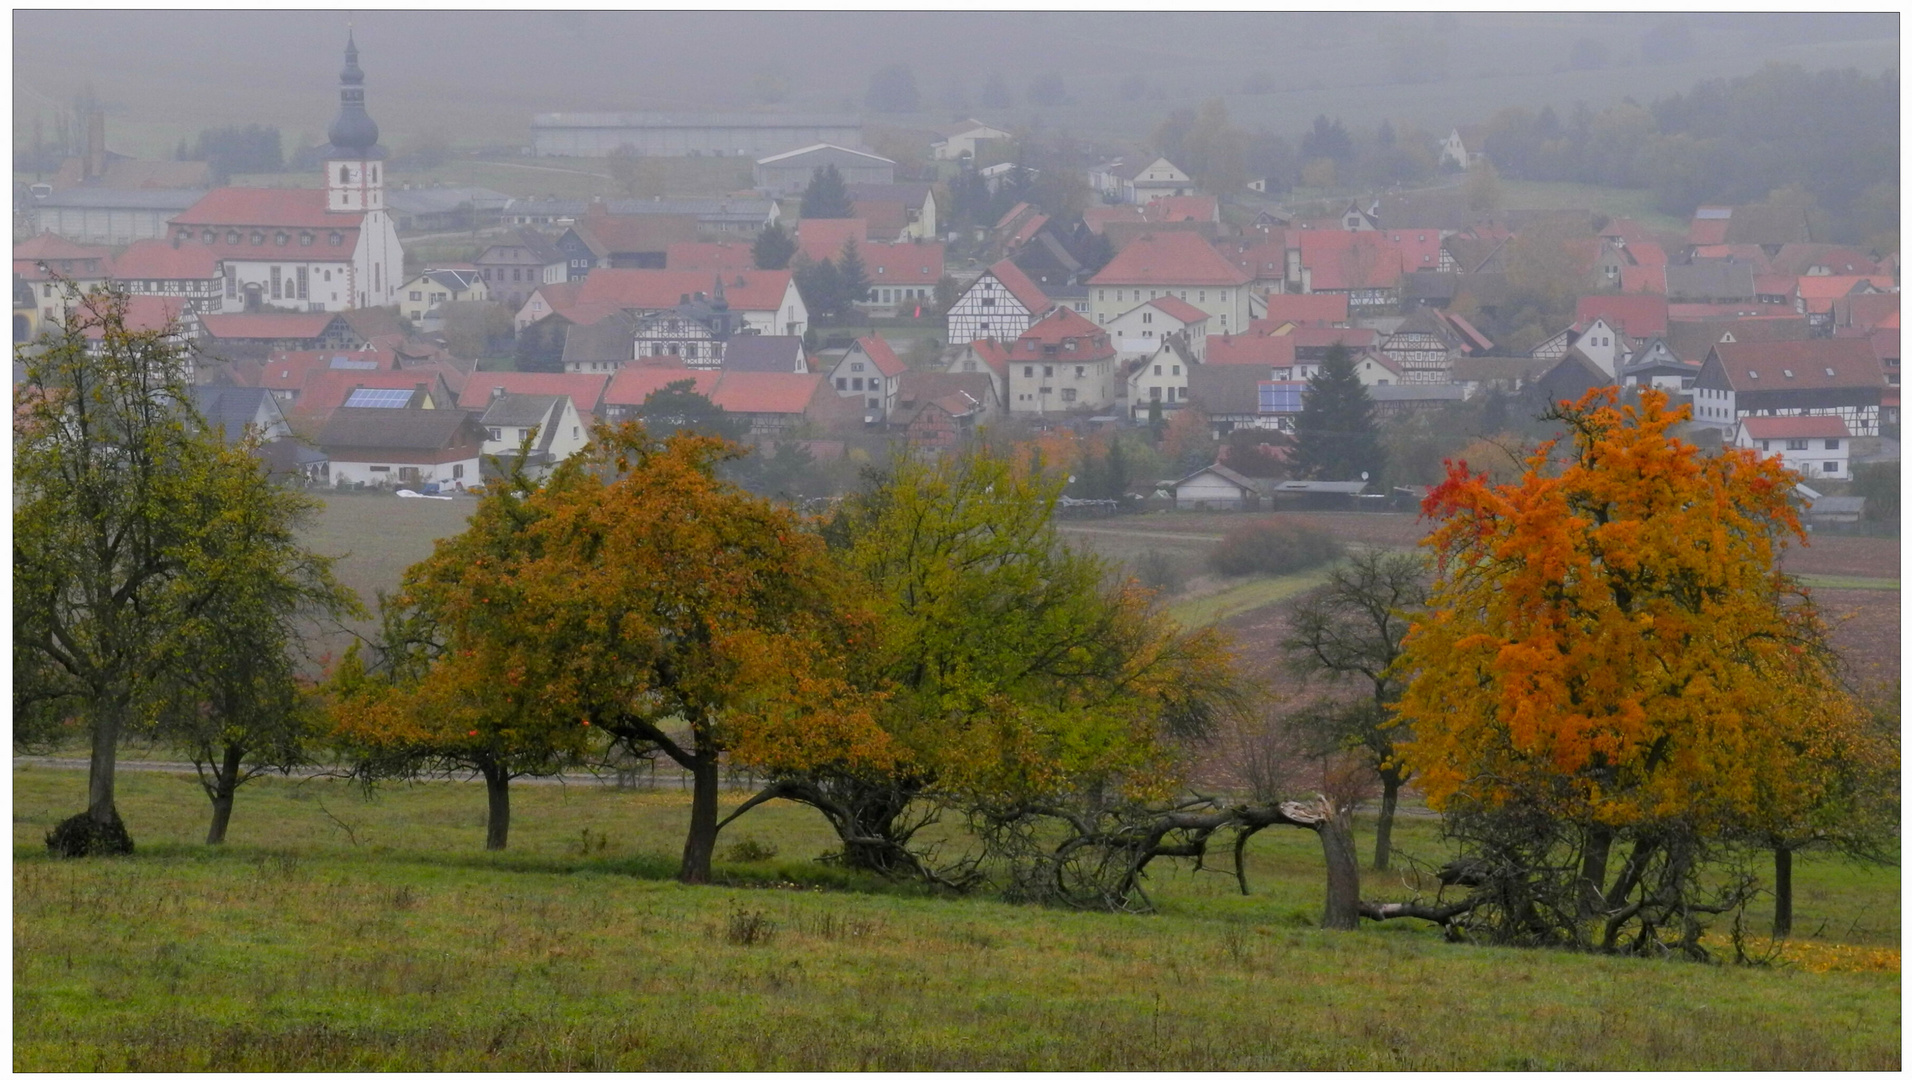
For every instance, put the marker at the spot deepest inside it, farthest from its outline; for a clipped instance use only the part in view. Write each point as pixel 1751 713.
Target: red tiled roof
pixel 1009 216
pixel 613 234
pixel 1707 231
pixel 1639 316
pixel 583 390
pixel 1059 326
pixel 1647 253
pixel 1832 286
pixel 327 388
pixel 1306 337
pixel 1273 350
pixel 632 384
pixel 267 325
pixel 49 245
pixel 1181 310
pixel 1026 292
pixel 287 368
pixel 1420 248
pixel 1170 258
pixel 287 208
pixel 757 290
pixel 1795 427
pixel 143 313
pixel 992 354
pixel 1775 284
pixel 902 264
pixel 880 354
pixel 1336 259
pixel 1751 253
pixel 765 391
pixel 1305 308
pixel 158 260
pixel 822 238
pixel 1850 361
pixel 1643 279
pixel 1480 341
pixel 1265 259
pixel 1027 232
pixel 886 218
pixel 728 258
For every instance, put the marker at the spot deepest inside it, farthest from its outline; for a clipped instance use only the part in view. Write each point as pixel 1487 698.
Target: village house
pixel 1062 363
pixel 782 353
pixel 1216 487
pixel 193 273
pixel 45 264
pixel 896 213
pixel 1000 304
pixel 981 356
pixel 1243 396
pixel 601 347
pixel 518 263
pixel 1812 446
pixel 600 240
pixel 1141 330
pixel 1142 180
pixel 239 412
pixel 309 249
pixel 1366 266
pixel 776 405
pixel 764 301
pixel 1462 147
pixel 1159 381
pixel 239 336
pixel 551 420
pixel 1177 264
pixel 586 392
pixel 420 297
pixel 392 447
pixel 869 371
pixel 1838 377
pixel 902 278
pixel 445 209
pixel 625 395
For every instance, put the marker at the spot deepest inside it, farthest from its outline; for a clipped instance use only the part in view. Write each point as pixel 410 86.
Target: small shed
pixel 1216 487
pixel 1318 494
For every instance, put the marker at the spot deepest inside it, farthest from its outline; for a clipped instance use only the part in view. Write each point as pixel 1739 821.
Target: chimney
pixel 497 392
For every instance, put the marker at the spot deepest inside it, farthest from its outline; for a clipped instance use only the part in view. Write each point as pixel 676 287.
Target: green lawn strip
pixel 1823 581
pixel 1246 596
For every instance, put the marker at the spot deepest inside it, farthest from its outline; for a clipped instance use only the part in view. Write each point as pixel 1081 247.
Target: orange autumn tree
pixel 1611 656
pixel 636 595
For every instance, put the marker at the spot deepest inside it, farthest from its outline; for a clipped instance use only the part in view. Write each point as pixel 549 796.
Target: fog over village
pixel 955 541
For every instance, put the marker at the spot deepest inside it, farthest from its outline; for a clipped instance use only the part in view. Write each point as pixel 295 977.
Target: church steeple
pixel 353 183
pixel 353 129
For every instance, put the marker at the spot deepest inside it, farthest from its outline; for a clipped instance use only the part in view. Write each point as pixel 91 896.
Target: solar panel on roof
pixel 1281 397
pixel 367 398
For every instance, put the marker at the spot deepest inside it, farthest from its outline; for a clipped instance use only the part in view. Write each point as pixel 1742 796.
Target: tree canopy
pixel 1335 437
pixel 826 196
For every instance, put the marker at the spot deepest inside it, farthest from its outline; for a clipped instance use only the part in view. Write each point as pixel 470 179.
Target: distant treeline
pixel 1834 135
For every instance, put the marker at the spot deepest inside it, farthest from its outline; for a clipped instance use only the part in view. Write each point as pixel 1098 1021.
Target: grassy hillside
pixel 403 946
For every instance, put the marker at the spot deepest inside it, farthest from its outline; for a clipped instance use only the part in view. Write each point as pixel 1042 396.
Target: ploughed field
pixel 333 932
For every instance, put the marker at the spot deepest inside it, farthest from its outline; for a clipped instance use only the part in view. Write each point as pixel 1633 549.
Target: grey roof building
pixel 110 216
pixel 602 346
pixel 789 173
pixel 422 209
pixel 1718 281
pixel 765 352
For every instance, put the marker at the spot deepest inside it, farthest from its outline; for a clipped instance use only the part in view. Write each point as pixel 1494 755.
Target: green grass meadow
pixel 339 932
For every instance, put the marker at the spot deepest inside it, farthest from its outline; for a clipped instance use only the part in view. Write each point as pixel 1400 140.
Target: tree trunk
pixel 1343 910
pixel 1384 828
pixel 1593 868
pixel 1782 891
pixel 702 839
pixel 498 806
pixel 225 779
pixel 100 772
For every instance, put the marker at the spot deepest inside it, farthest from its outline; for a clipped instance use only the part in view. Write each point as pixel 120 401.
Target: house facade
pixel 1812 446
pixel 1837 377
pixel 1177 264
pixel 999 305
pixel 1142 329
pixel 380 447
pixel 870 371
pixel 1062 363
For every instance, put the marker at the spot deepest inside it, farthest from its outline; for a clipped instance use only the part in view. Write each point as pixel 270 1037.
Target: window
pixel 1080 370
pixel 843 384
pixel 1832 466
pixel 1158 369
pixel 305 239
pixel 1155 393
pixel 1175 369
pixel 1765 444
pixel 969 365
pixel 337 239
pixel 856 365
pixel 258 239
pixel 1182 392
pixel 345 174
pixel 208 236
pixel 1068 395
pixel 856 384
pixel 989 301
pixel 1047 371
pixel 1796 444
pixel 458 472
pixel 275 284
pixel 494 434
pixel 1027 372
pixel 303 280
pixel 1832 444
pixel 416 295
pixel 1148 316
pixel 279 239
pixel 1047 390
pixel 381 468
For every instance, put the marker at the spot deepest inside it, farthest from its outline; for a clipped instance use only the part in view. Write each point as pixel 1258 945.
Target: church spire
pixel 353 134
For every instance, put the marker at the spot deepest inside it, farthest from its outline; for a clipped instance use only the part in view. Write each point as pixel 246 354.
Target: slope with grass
pixel 338 933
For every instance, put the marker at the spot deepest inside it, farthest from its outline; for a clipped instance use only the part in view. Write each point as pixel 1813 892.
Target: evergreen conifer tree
pixel 826 197
pixel 773 248
pixel 853 280
pixel 1335 438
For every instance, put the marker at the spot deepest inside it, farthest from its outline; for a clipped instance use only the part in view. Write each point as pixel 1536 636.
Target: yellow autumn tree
pixel 1611 654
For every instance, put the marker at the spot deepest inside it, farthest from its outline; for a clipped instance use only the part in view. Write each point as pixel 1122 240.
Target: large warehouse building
pixel 686 134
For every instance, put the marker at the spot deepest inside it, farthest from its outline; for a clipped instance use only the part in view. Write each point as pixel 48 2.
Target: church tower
pixel 354 162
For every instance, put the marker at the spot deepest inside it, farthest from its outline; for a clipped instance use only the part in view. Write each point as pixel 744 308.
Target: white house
pixel 959 140
pixel 1216 487
pixel 1147 183
pixel 387 447
pixel 1372 368
pixel 1160 379
pixel 869 370
pixel 1812 446
pixel 419 296
pixel 981 356
pixel 1063 363
pixel 1462 146
pixel 560 432
pixel 999 305
pixel 1142 329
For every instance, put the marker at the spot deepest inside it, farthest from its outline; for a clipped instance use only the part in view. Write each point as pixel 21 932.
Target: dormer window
pixel 280 239
pixel 258 239
pixel 232 236
pixel 337 239
pixel 305 239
